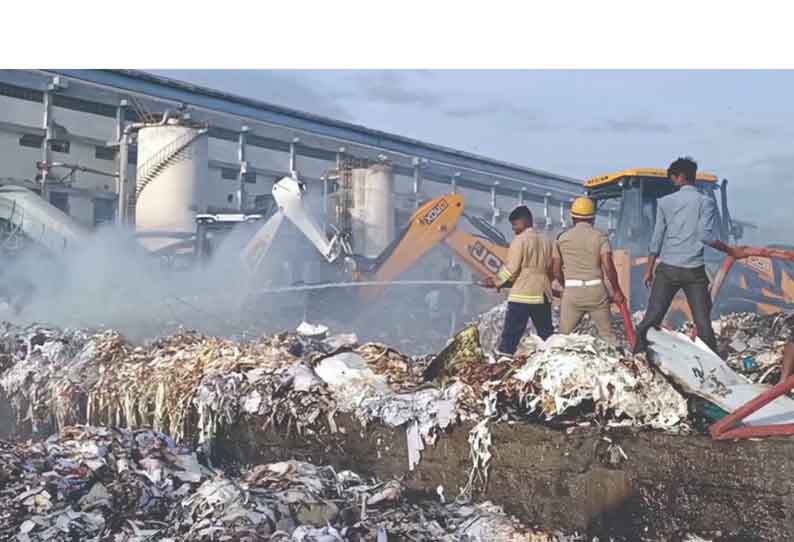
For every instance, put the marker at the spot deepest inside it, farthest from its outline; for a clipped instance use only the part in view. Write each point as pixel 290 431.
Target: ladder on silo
pixel 169 154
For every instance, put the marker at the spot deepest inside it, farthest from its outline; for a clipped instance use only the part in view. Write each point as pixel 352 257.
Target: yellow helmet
pixel 583 207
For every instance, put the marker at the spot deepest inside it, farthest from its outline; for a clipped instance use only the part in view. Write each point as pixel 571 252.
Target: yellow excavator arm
pixel 483 255
pixel 433 223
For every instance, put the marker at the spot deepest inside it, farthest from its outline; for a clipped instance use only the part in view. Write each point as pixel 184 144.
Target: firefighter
pixel 582 258
pixel 528 274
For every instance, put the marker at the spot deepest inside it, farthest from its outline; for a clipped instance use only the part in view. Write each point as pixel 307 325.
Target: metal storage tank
pixel 373 209
pixel 171 177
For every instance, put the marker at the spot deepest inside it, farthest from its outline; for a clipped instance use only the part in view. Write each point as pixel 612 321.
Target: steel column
pixel 243 169
pixel 122 213
pixel 494 209
pixel 417 163
pixel 45 149
pixel 293 158
pixel 121 114
pixel 547 211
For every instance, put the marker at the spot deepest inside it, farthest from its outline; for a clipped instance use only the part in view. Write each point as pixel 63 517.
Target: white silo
pixel 171 178
pixel 373 209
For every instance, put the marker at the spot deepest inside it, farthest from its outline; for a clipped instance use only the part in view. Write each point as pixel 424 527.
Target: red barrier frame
pixel 729 428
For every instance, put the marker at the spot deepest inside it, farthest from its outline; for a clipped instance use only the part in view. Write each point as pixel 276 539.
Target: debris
pixel 699 371
pixel 141 493
pixel 480 455
pixel 760 338
pixel 191 386
pixel 315 331
pixel 351 379
pixel 463 350
pixel 342 340
pixel 571 369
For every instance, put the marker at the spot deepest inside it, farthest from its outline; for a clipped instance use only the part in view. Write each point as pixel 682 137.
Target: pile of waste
pixel 191 386
pixel 98 483
pixel 753 343
pixel 571 369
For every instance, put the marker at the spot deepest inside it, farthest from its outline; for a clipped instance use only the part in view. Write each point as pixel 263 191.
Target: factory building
pixel 70 123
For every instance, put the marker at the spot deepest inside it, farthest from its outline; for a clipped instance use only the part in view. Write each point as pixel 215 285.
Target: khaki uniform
pixel 580 249
pixel 528 261
pixel 527 267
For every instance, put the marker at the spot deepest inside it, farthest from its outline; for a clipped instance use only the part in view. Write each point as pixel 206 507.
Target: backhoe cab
pixel 639 190
pixel 756 284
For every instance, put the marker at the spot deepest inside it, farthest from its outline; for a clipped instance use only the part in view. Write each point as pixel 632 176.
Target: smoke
pixel 110 281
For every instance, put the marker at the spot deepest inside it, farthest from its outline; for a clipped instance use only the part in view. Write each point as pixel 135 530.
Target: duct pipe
pixel 77 167
pixel 166 116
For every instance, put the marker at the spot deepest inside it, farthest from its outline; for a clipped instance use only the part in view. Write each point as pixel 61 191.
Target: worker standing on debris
pixel 528 274
pixel 582 257
pixel 684 224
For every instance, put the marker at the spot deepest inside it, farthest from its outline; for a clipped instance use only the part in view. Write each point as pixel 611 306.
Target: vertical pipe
pixel 547 211
pixel 417 181
pixel 562 214
pixel 293 158
pixel 243 168
pixel 122 205
pixel 454 182
pixel 494 209
pixel 521 197
pixel 45 151
pixel 121 189
pixel 121 118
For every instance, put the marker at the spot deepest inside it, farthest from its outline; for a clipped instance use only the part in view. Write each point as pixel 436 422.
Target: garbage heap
pixel 753 343
pixel 190 385
pixel 97 483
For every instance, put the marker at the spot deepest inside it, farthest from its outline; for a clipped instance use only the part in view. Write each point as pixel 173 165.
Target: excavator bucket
pixel 288 193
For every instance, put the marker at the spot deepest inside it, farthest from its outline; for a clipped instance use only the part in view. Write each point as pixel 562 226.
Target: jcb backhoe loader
pixel 757 284
pixel 436 222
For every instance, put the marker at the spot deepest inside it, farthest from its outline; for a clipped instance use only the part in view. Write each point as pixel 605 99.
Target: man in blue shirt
pixel 685 224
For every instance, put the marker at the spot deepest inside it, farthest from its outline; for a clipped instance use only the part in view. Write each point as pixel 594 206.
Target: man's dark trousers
pixel 516 320
pixel 666 283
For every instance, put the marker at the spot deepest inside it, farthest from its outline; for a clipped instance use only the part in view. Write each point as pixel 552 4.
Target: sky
pixel 579 123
